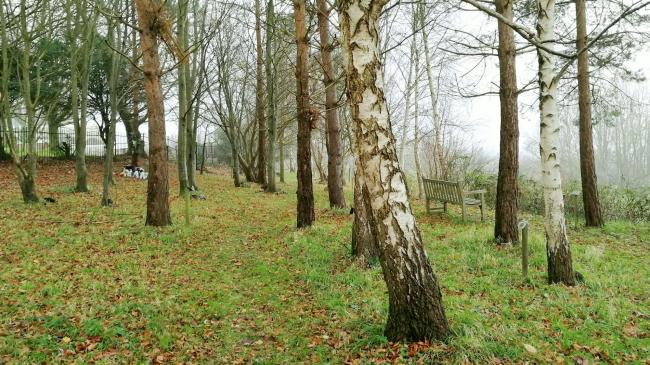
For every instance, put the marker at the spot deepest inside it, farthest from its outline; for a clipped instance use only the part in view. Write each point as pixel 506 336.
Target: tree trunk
pixel 416 125
pixel 558 250
pixel 110 143
pixel 593 214
pixel 364 244
pixel 270 97
pixel 234 151
pixel 52 135
pixel 505 224
pixel 415 303
pixel 281 157
pixel 305 208
pixel 407 102
pixel 439 154
pixel 26 171
pixel 150 13
pixel 334 156
pixel 81 25
pixel 259 98
pixel 183 99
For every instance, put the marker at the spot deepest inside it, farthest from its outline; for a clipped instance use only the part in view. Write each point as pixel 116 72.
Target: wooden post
pixel 523 227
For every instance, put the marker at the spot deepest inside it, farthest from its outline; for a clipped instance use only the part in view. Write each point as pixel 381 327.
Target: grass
pixel 84 284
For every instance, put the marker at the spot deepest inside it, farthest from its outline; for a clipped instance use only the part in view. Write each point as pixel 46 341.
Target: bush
pixel 617 203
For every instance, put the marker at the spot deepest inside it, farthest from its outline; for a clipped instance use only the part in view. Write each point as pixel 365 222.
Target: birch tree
pixel 558 250
pixel 415 302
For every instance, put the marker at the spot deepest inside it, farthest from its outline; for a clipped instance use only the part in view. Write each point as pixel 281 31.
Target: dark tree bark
pixel 305 209
pixel 259 98
pixel 590 199
pixel 151 15
pixel 505 225
pixel 364 244
pixel 334 155
pixel 415 311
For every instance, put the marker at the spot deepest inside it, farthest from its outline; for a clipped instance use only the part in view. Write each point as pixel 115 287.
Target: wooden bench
pixel 451 192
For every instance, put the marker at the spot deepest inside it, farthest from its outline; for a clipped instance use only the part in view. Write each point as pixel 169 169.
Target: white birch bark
pixel 415 301
pixel 558 249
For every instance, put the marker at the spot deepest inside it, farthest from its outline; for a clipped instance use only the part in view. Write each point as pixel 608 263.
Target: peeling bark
pixel 415 301
pixel 558 250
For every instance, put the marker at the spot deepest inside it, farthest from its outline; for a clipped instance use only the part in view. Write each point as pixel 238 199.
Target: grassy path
pixel 82 284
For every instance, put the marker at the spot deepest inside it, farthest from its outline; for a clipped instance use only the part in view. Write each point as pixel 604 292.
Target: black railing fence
pixel 62 144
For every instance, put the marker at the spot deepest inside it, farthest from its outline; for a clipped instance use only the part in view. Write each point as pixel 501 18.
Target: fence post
pixel 523 227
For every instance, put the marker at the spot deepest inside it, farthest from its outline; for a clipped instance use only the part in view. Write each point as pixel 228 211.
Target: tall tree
pixel 115 39
pixel 415 302
pixel 505 216
pixel 433 93
pixel 269 69
pixel 30 25
pixel 305 208
pixel 153 22
pixel 334 148
pixel 416 110
pixel 81 20
pixel 591 202
pixel 184 107
pixel 259 97
pixel 558 250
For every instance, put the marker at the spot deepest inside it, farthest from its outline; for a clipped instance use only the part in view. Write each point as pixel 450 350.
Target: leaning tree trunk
pixel 305 208
pixel 593 214
pixel 150 13
pixel 558 250
pixel 505 222
pixel 259 98
pixel 334 155
pixel 415 303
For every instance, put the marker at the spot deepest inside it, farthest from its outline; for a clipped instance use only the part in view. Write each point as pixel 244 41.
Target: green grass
pixel 84 284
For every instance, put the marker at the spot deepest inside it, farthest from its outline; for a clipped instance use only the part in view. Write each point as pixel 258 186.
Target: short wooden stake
pixel 523 227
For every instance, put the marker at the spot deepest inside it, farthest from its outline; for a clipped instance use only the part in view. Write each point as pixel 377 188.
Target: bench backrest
pixel 444 191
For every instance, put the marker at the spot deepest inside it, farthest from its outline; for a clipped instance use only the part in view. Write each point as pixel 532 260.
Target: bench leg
pixel 463 205
pixel 428 207
pixel 445 206
pixel 482 217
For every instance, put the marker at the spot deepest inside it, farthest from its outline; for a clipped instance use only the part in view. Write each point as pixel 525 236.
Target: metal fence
pixel 61 144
